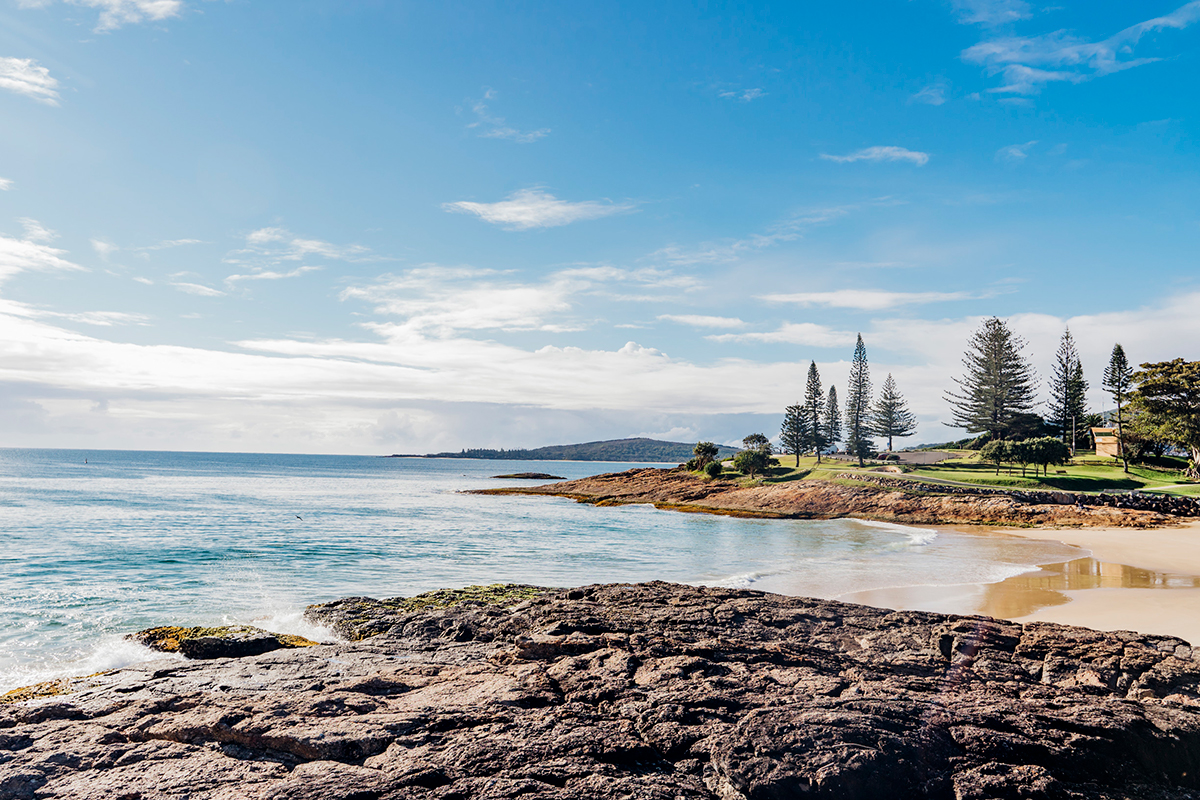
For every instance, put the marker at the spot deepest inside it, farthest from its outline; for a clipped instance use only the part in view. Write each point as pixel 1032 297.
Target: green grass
pixel 1086 473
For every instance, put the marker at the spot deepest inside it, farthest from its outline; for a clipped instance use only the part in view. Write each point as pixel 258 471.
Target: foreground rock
pixel 912 503
pixel 226 641
pixel 634 691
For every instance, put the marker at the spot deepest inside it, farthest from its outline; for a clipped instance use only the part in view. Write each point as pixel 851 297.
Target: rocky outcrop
pixel 866 497
pixel 225 641
pixel 634 691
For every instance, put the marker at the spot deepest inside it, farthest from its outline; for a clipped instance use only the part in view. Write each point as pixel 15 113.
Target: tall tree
pixel 998 384
pixel 1118 380
pixel 1068 389
pixel 794 435
pixel 1170 392
pixel 858 405
pixel 706 453
pixel 891 416
pixel 814 408
pixel 833 418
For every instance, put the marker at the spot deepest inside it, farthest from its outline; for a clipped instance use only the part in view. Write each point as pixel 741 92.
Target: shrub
pixel 692 464
pixel 749 462
pixel 713 469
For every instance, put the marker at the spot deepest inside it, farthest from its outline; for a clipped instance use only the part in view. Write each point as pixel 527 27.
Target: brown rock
pixel 639 691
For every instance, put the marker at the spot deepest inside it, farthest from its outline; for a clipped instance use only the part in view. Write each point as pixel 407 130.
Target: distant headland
pixel 638 449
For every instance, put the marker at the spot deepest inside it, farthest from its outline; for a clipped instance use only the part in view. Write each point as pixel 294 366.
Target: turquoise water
pixel 89 552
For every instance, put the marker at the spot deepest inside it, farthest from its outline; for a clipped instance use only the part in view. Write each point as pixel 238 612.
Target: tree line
pixel 816 424
pixel 1157 406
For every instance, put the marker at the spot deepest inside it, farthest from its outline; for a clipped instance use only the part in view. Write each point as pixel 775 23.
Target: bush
pixel 749 462
pixel 692 464
pixel 713 469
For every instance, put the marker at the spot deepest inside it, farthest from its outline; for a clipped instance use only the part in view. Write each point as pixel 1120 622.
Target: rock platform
pixel 645 691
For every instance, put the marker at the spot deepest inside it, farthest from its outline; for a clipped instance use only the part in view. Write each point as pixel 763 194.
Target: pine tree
pixel 833 418
pixel 999 382
pixel 814 407
pixel 794 436
pixel 1118 380
pixel 858 405
pixel 1068 388
pixel 891 416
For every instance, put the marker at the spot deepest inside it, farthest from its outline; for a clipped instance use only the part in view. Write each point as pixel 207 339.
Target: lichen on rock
pixel 224 641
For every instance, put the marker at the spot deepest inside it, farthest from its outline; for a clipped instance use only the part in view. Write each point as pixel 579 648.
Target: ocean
pixel 98 544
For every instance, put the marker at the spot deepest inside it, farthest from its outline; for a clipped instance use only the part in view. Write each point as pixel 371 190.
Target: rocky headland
pixel 863 496
pixel 627 691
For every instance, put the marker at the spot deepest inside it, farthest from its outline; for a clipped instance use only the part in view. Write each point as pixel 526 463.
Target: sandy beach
pixel 1144 580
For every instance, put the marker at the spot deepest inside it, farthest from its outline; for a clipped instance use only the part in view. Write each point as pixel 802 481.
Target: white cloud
pixel 1015 153
pixel 198 289
pixel 991 12
pixel 269 248
pixel 744 95
pixel 115 13
pixel 5 184
pixel 490 126
pixel 168 244
pixel 701 321
pixel 104 319
pixel 270 275
pixel 36 231
pixel 25 76
pixel 787 230
pixel 1029 62
pixel 534 208
pixel 934 95
pixel 104 249
pixel 30 255
pixel 885 153
pixel 804 333
pixel 864 299
pixel 439 301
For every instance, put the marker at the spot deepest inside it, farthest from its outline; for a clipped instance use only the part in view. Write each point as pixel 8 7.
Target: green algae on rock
pixel 225 641
pixel 358 618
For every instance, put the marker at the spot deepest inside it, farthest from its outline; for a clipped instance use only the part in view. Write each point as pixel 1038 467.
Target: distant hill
pixel 613 450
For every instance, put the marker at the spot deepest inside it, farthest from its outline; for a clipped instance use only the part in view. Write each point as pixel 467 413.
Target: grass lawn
pixel 1086 473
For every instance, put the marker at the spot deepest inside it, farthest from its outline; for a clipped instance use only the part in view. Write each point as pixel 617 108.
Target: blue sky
pixel 402 227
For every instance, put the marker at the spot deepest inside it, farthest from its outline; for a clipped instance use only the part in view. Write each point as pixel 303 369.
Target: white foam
pixel 112 652
pixel 292 621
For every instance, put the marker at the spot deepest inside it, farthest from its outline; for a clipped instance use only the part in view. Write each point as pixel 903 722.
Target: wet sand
pixel 1141 580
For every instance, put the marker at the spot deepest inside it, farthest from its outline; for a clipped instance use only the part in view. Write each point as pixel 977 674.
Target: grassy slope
pixel 1086 474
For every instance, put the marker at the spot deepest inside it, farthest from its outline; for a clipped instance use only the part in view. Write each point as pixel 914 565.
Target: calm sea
pixel 92 551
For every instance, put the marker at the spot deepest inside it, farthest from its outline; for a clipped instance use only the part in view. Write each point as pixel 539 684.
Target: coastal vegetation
pixel 630 450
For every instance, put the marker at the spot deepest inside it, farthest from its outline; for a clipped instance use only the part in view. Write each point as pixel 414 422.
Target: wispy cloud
pixel 103 319
pixel 5 184
pixel 269 248
pixel 743 95
pixel 787 230
pixel 198 289
pixel 864 299
pixel 805 333
pixel 489 126
pixel 701 321
pixel 1014 153
pixel 933 94
pixel 439 301
pixel 31 255
pixel 115 13
pixel 25 76
pixel 271 275
pixel 885 153
pixel 1028 63
pixel 36 231
pixel 533 208
pixel 991 12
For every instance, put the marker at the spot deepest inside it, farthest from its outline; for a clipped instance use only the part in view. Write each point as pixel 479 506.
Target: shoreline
pixel 1145 580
